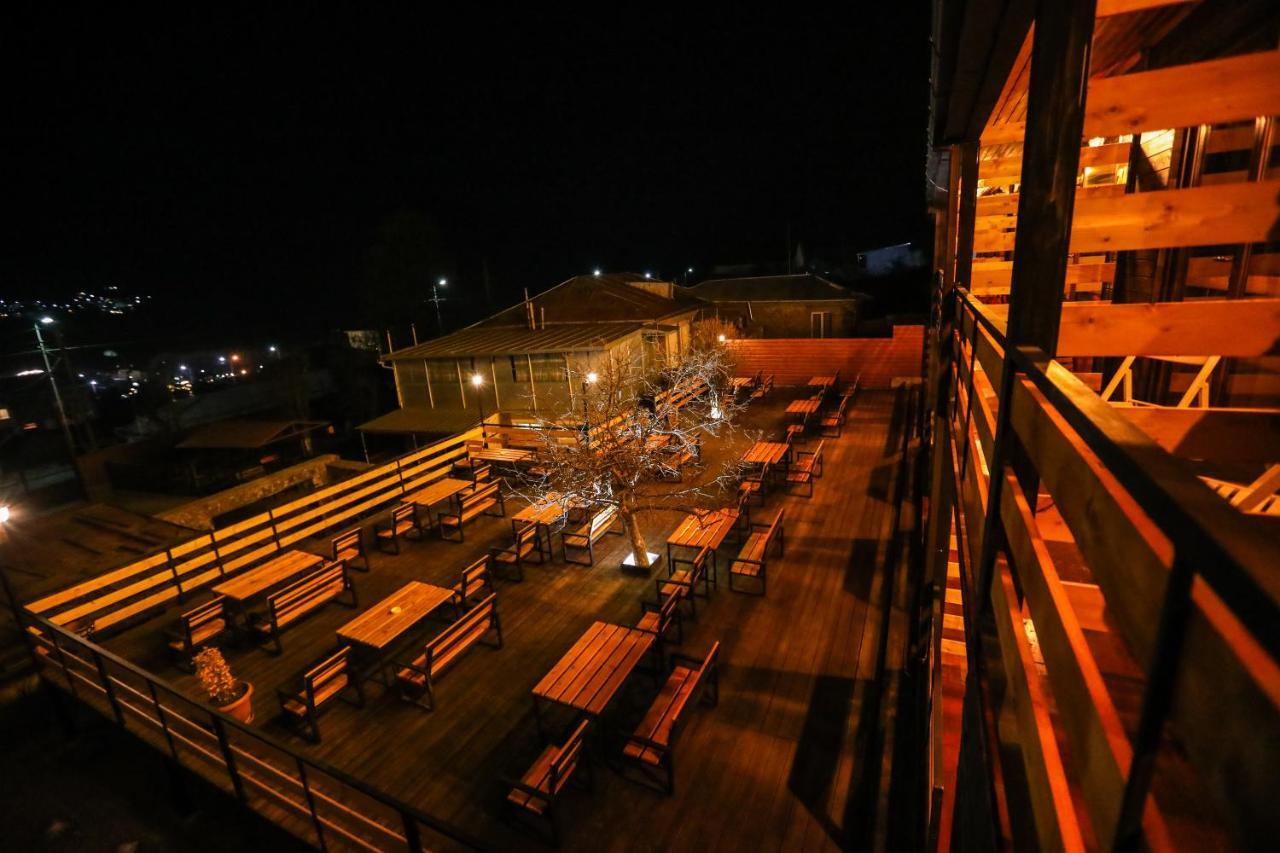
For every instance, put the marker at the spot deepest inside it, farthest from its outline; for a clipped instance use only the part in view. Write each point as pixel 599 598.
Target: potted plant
pixel 225 691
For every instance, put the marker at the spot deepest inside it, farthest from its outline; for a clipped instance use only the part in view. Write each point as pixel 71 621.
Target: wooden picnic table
pixel 433 493
pixel 766 452
pixel 504 455
pixel 823 382
pixel 544 513
pixel 804 407
pixel 702 531
pixel 738 383
pixel 381 624
pixel 278 569
pixel 588 676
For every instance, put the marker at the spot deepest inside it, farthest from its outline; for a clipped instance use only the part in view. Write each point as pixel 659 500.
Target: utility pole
pixel 57 402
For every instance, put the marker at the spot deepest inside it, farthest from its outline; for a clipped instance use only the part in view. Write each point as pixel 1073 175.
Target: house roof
pixel 587 312
pixel 771 288
pixel 241 434
pixel 421 419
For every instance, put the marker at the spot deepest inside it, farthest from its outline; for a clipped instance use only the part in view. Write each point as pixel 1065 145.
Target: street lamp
pixel 477 382
pixel 587 381
pixel 57 402
pixel 435 297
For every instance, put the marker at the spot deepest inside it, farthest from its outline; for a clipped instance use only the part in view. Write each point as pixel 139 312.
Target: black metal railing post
pixel 164 721
pixel 311 801
pixel 237 784
pixel 66 669
pixel 1157 701
pixel 412 835
pixel 109 688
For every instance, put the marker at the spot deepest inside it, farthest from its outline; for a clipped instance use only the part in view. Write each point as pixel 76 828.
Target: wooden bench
pixel 538 791
pixel 682 583
pixel 349 547
pixel 658 619
pixel 650 746
pixel 806 468
pixel 417 676
pixel 833 423
pixel 310 592
pixel 526 544
pixel 763 387
pixel 318 685
pixel 753 484
pixel 584 538
pixel 404 523
pixel 479 501
pixel 753 557
pixel 466 463
pixel 476 580
pixel 197 628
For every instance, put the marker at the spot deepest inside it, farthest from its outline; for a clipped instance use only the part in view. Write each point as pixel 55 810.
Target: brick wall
pixel 793 360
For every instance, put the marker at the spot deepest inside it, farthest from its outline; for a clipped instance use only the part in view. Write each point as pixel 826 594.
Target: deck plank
pixel 752 772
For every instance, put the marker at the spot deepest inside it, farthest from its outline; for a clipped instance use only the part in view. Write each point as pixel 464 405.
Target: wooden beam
pixel 1228 436
pixel 991 280
pixel 1107 8
pixel 1199 216
pixel 1009 169
pixel 1202 327
pixel 1213 92
pixel 1006 204
pixel 968 168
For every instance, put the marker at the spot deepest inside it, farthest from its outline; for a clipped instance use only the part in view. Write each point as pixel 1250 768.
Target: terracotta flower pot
pixel 242 708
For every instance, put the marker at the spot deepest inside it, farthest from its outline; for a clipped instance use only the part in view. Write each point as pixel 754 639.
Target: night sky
pixel 266 172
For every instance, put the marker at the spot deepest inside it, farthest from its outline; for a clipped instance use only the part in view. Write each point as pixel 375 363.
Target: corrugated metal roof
pixel 584 313
pixel 518 340
pixel 422 419
pixel 245 434
pixel 771 288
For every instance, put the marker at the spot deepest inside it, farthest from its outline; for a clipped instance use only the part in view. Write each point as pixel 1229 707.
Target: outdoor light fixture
pixel 647 275
pixel 477 380
pixel 182 367
pixel 442 282
pixel 722 339
pixel 271 348
pixel 592 377
pixel 222 359
pixel 46 320
pixel 596 272
pixel 4 514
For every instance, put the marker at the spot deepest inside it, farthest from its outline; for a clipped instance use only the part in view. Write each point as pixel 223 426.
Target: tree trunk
pixel 639 550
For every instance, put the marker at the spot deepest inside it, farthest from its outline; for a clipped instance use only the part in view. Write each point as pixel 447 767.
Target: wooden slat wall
pixel 135 588
pixel 792 361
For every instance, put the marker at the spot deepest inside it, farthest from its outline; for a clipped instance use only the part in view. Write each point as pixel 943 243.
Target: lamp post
pixel 477 382
pixel 435 297
pixel 57 402
pixel 587 381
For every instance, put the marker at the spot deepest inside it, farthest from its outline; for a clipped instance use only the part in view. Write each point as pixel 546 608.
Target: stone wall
pixel 199 514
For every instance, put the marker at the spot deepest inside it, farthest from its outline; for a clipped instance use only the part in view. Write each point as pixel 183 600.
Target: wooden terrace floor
pixel 777 765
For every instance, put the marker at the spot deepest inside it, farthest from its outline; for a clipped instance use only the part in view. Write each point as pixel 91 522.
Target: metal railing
pixel 315 801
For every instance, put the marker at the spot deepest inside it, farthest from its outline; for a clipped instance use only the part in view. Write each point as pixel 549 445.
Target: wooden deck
pixel 774 766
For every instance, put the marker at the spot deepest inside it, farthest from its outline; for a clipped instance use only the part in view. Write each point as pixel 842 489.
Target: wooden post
pixel 1060 53
pixel 966 209
pixel 948 262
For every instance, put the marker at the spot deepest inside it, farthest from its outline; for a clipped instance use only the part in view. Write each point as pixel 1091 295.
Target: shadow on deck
pixel 772 766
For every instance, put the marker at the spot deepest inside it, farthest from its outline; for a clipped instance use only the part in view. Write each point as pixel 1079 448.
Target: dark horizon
pixel 296 175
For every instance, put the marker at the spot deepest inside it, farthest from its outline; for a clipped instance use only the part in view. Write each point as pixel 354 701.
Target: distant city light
pixel 222 359
pixel 244 372
pixel 182 367
pixel 235 356
pixel 647 275
pixel 46 320
pixel 690 269
pixel 271 348
pixel 596 271
pixel 442 282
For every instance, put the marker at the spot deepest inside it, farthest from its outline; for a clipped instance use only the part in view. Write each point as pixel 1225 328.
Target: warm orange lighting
pixel 592 377
pixel 722 339
pixel 477 380
pixel 235 357
pixel 4 514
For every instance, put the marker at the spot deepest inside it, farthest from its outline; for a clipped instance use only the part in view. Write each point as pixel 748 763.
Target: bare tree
pixel 633 439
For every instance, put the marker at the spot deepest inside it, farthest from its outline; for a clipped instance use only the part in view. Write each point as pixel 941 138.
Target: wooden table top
pixel 378 626
pixel 821 381
pixel 761 452
pixel 545 511
pixel 593 669
pixel 278 569
pixel 707 531
pixel 803 407
pixel 503 454
pixel 739 382
pixel 434 493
